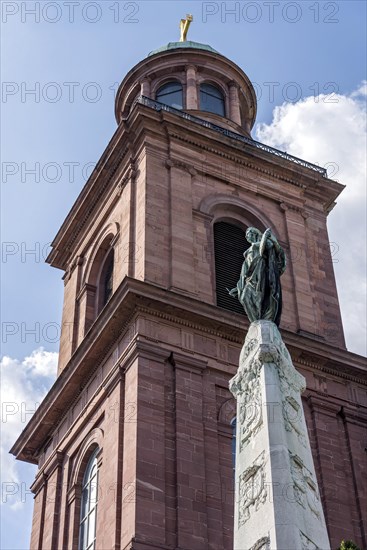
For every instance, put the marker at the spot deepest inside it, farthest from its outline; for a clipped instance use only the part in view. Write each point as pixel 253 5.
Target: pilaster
pixel 191 88
pixel 234 103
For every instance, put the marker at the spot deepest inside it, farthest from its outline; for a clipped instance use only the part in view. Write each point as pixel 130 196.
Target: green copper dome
pixel 187 44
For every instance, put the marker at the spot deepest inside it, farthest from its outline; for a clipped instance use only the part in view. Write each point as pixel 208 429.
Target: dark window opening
pixel 211 99
pixel 229 245
pixel 171 94
pixel 106 280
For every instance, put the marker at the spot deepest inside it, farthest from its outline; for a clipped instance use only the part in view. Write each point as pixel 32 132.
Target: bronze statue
pixel 258 289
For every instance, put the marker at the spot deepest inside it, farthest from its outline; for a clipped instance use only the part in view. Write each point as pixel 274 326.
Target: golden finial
pixel 184 26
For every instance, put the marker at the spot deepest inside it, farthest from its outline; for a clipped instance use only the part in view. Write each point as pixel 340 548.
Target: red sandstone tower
pixel 134 440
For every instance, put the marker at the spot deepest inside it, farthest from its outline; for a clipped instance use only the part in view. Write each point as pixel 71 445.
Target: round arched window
pixel 171 94
pixel 88 510
pixel 211 99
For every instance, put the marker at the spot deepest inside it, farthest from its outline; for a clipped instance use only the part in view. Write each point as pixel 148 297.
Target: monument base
pixel 277 502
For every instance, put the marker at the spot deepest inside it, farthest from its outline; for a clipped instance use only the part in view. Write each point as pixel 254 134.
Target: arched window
pixel 88 508
pixel 105 287
pixel 211 99
pixel 171 94
pixel 229 245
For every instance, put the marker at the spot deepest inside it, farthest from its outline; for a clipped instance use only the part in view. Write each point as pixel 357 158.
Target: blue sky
pixel 310 54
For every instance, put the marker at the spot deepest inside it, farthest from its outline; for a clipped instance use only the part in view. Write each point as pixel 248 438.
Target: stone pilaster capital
pixel 172 163
pixel 38 483
pixel 234 84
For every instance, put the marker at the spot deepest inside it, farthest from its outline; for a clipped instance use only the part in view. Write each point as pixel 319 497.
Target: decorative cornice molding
pixel 190 324
pixel 328 370
pixel 96 200
pixel 132 297
pixel 247 163
pixel 92 202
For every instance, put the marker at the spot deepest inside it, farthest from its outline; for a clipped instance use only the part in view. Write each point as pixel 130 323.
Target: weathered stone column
pixel 277 503
pixel 191 88
pixel 234 103
pixel 145 88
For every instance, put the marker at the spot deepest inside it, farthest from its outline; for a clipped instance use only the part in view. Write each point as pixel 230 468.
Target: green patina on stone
pixel 258 288
pixel 183 45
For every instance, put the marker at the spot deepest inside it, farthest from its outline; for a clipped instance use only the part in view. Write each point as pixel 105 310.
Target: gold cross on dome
pixel 184 26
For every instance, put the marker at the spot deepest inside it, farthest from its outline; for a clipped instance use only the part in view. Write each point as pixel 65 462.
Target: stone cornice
pixel 235 336
pixel 290 338
pixel 144 121
pixel 243 162
pixel 312 183
pixel 224 68
pixel 132 296
pixel 90 198
pixel 346 374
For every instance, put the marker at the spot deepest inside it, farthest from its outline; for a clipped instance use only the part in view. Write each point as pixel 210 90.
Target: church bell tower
pixel 134 442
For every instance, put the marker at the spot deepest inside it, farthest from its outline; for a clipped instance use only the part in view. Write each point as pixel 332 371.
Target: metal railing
pixel 157 106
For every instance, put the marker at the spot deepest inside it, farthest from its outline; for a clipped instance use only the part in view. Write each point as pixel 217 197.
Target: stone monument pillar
pixel 277 503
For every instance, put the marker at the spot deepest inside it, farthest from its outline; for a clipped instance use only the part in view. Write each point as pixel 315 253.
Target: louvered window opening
pixel 229 245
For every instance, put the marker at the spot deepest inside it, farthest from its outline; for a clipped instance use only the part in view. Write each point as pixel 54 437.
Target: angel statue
pixel 258 288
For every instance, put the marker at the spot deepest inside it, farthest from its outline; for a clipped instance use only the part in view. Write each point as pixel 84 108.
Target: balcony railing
pixel 157 106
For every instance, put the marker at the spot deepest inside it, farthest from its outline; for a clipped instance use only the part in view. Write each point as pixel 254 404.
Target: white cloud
pixel 23 386
pixel 331 131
